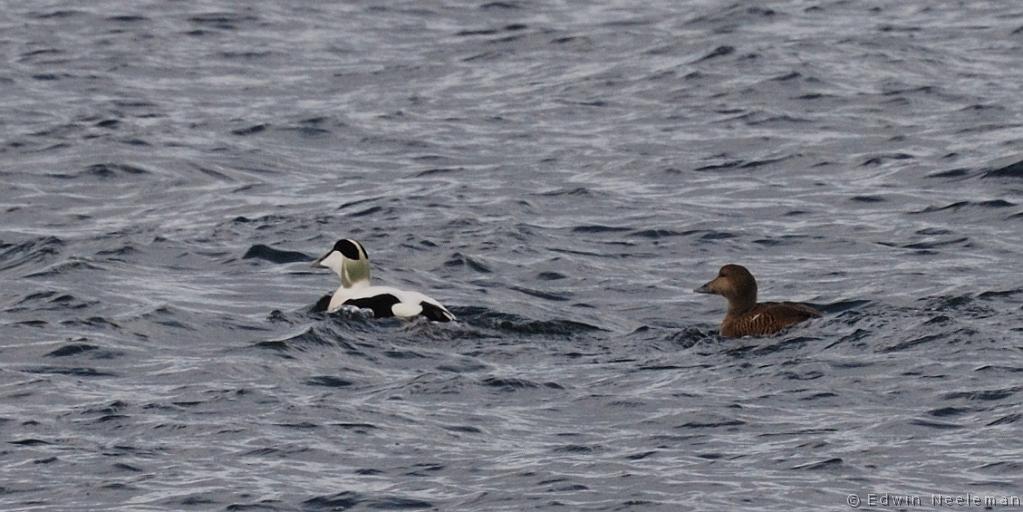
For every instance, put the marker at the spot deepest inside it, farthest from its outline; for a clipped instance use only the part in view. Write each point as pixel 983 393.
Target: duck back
pixel 766 318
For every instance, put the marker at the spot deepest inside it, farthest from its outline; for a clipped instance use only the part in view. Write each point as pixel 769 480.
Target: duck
pixel 349 260
pixel 745 316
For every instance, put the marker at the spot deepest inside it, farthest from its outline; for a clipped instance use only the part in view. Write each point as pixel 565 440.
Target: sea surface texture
pixel 561 175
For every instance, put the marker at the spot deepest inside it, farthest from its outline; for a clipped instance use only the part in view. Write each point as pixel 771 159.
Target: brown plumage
pixel 745 316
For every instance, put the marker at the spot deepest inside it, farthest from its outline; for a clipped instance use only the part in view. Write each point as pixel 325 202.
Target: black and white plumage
pixel 348 259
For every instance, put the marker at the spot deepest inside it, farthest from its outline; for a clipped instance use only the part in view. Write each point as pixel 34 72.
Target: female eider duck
pixel 348 259
pixel 745 316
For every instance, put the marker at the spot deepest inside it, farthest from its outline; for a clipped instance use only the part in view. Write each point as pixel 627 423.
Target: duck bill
pixel 705 288
pixel 319 260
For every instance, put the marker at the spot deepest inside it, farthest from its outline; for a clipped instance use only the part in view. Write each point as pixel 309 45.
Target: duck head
pixel 348 259
pixel 736 284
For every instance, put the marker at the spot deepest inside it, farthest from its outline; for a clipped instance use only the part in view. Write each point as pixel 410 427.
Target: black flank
pixel 321 305
pixel 380 304
pixel 435 313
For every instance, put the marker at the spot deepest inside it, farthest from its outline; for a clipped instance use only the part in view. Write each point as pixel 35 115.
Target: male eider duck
pixel 349 261
pixel 745 316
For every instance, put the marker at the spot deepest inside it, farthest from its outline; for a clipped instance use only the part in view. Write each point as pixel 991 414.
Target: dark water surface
pixel 560 174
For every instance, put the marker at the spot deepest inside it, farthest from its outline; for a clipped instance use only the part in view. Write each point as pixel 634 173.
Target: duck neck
pixel 741 304
pixel 354 274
